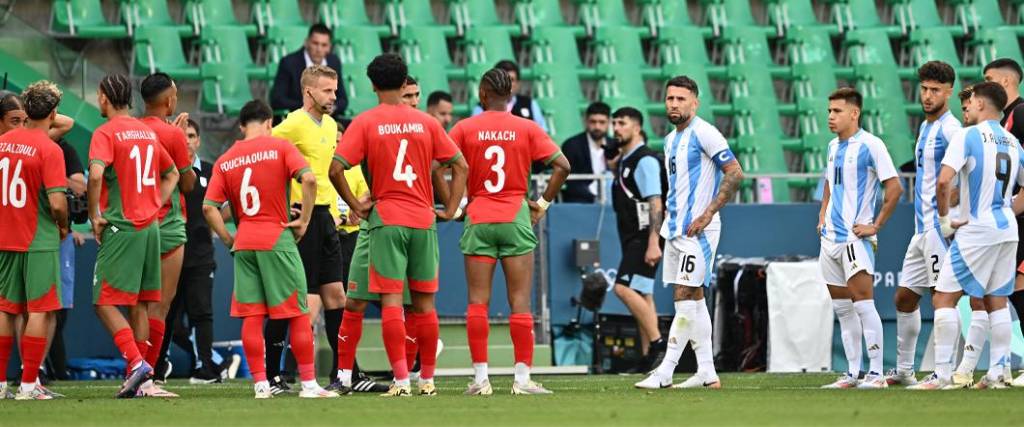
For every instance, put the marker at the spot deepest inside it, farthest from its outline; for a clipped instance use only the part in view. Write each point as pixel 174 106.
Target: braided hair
pixel 118 90
pixel 497 82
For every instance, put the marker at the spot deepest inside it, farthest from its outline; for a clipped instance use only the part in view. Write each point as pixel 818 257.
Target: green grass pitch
pixel 747 399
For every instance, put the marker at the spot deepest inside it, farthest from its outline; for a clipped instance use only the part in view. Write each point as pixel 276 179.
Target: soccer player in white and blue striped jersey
pixel 703 175
pixel 980 262
pixel 857 162
pixel 928 247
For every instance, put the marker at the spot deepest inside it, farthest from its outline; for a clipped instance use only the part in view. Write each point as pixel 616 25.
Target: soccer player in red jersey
pixel 254 177
pixel 130 177
pixel 161 98
pixel 500 148
pixel 29 253
pixel 398 143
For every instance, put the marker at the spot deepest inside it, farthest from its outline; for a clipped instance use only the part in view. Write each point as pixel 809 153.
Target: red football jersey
pixel 134 161
pixel 255 176
pixel 27 174
pixel 398 143
pixel 173 139
pixel 500 148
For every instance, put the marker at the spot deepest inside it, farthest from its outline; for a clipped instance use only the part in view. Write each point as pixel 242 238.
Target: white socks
pixel 872 326
pixel 850 330
pixel 946 331
pixel 702 345
pixel 345 375
pixel 678 336
pixel 403 383
pixel 977 334
pixel 1001 335
pixel 522 373
pixel 479 373
pixel 310 385
pixel 908 327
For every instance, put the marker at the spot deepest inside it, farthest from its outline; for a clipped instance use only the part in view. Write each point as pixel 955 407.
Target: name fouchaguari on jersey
pixel 399 128
pixel 248 160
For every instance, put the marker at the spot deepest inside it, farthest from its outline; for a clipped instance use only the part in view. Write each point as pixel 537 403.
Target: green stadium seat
pixel 809 45
pixel 277 13
pixel 557 82
pixel 361 96
pixel 596 14
pixel 936 44
pixel 473 74
pixel 429 79
pixel 749 45
pixel 973 15
pixel 678 45
pixel 225 88
pixel 347 14
pixel 868 46
pixel 357 45
pixel 791 14
pixel 202 14
pixel 149 13
pixel 621 81
pixel 282 40
pixel 159 48
pixel 912 15
pixel 885 116
pixel 400 14
pixel 531 14
pixel 230 45
pixel 709 107
pixel 659 14
pixel 620 45
pixel 564 119
pixel 487 45
pixel 427 45
pixel 857 14
pixel 992 43
pixel 83 19
pixel 721 14
pixel 557 45
pixel 468 14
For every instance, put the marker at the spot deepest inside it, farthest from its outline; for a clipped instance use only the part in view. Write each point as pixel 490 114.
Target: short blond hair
pixel 40 99
pixel 312 73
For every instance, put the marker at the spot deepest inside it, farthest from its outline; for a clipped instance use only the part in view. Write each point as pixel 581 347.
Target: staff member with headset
pixel 637 201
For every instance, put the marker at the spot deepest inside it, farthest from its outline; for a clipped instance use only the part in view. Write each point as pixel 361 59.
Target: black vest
pixel 626 193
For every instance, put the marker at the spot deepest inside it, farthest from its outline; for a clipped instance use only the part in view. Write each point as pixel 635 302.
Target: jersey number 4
pixel 14 190
pixel 403 174
pixel 144 173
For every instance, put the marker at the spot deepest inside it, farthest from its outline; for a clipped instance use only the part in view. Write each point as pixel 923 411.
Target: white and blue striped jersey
pixel 855 169
pixel 694 158
pixel 932 140
pixel 989 161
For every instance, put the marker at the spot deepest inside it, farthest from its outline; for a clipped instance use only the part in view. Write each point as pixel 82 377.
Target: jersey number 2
pixel 14 190
pixel 144 175
pixel 403 173
pixel 249 196
pixel 498 154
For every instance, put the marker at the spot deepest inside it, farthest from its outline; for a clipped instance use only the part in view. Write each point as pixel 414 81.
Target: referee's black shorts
pixel 634 272
pixel 320 250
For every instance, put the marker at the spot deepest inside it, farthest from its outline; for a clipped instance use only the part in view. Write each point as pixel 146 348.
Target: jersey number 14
pixel 144 173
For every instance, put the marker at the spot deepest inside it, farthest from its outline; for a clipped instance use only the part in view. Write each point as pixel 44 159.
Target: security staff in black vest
pixel 519 105
pixel 637 199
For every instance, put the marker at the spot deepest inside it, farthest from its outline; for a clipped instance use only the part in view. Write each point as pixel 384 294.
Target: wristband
pixel 458 213
pixel 543 203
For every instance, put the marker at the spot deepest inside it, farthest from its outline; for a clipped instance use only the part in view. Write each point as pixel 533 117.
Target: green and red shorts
pixel 489 242
pixel 359 271
pixel 270 282
pixel 127 266
pixel 30 282
pixel 401 256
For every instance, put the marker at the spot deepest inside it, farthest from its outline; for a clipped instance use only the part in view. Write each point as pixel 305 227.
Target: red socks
pixel 411 347
pixel 349 334
pixel 252 343
pixel 393 332
pixel 427 330
pixel 477 329
pixel 302 346
pixel 521 329
pixel 156 340
pixel 32 349
pixel 125 342
pixel 6 343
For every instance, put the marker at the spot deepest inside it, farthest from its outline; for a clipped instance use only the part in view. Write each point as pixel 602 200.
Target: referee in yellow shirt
pixel 312 130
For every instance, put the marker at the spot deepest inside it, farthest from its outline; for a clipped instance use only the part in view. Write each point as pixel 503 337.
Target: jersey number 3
pixel 403 173
pixel 497 153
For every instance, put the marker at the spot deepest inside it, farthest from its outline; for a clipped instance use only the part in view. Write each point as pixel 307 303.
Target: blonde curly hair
pixel 40 99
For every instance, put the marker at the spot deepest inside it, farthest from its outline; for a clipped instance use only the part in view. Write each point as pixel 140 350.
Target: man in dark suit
pixel 287 91
pixel 585 153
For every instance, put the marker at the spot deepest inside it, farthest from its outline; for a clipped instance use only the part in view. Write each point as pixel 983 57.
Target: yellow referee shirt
pixel 356 182
pixel 316 141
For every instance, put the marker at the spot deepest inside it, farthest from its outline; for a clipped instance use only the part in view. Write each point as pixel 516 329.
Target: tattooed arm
pixel 726 191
